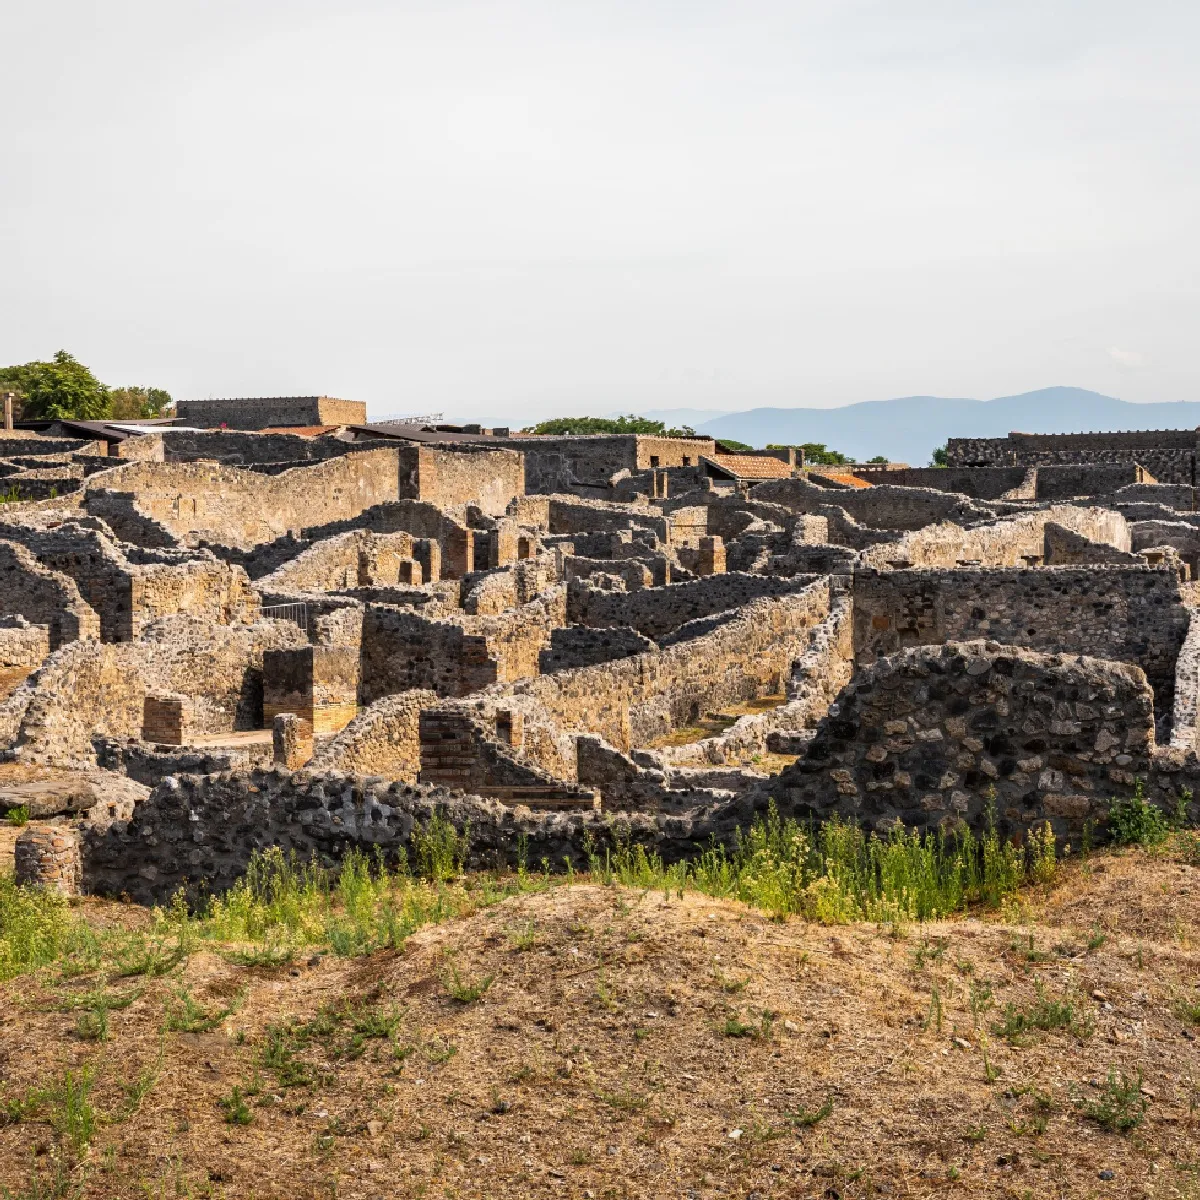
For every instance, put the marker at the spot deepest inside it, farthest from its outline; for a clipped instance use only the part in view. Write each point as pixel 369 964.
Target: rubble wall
pixel 384 739
pixel 1126 614
pixel 45 597
pixel 239 507
pixel 924 736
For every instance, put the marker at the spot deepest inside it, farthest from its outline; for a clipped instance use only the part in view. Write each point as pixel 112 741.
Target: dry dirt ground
pixel 635 1046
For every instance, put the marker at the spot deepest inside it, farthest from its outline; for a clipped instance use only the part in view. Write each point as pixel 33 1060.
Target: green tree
pixel 134 403
pixel 630 424
pixel 733 444
pixel 939 458
pixel 814 452
pixel 878 458
pixel 61 388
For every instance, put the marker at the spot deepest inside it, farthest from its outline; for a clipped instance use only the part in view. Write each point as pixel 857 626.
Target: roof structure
pixel 748 466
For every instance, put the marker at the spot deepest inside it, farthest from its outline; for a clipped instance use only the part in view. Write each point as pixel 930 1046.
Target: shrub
pixel 1137 821
pixel 35 927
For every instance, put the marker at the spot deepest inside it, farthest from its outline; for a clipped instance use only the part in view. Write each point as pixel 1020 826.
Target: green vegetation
pixel 837 873
pixel 18 815
pixel 35 928
pixel 1044 1014
pixel 139 403
pixel 939 458
pixel 64 388
pixel 734 445
pixel 630 424
pixel 1121 1105
pixel 833 873
pixel 814 452
pixel 1138 821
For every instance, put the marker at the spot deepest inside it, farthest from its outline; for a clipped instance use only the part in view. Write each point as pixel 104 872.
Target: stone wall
pixel 1008 542
pixel 925 736
pixel 238 448
pixel 87 690
pixel 454 476
pixel 45 597
pixel 880 507
pixel 261 412
pixel 384 739
pixel 1126 614
pixel 559 464
pixel 359 558
pixel 979 483
pixel 658 611
pixel 455 654
pixel 580 646
pixel 1168 454
pixel 129 588
pixel 238 507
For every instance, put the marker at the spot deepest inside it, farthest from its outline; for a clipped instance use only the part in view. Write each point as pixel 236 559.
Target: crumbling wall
pixel 1008 542
pixel 454 476
pixel 88 689
pixel 657 612
pixel 45 597
pixel 229 505
pixel 928 735
pixel 881 506
pixel 579 646
pixel 1126 614
pixel 359 558
pixel 455 654
pixel 384 739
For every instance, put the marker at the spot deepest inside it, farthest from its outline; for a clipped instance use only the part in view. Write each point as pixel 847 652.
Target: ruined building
pixel 317 633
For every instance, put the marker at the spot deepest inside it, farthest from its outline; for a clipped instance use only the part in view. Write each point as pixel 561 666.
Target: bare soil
pixel 630 1045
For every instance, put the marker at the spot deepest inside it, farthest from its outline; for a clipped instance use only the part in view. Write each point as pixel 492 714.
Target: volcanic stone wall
pixel 88 689
pixel 1126 614
pixel 928 735
pixel 1003 543
pixel 261 412
pixel 230 505
pixel 655 613
pixel 559 464
pixel 455 654
pixel 45 597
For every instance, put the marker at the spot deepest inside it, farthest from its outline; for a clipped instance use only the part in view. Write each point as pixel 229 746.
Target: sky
pixel 513 210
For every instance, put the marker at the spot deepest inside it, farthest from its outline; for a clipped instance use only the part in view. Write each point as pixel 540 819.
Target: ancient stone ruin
pixel 214 640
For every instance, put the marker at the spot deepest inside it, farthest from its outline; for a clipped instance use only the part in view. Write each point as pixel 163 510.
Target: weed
pixel 805 1118
pixel 1096 939
pixel 927 951
pixel 625 1100
pixel 92 1024
pixel 1121 1105
pixel 234 1106
pixel 18 815
pixel 35 927
pixel 184 1015
pixel 76 1118
pixel 438 1052
pixel 980 1000
pixel 990 1073
pixel 934 1016
pixel 731 985
pixel 1043 1014
pixel 524 938
pixel 975 1133
pixel 1188 1010
pixel 466 991
pixel 1137 821
pixel 736 1028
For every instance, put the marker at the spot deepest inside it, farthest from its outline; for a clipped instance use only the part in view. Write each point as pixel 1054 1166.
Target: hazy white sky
pixel 512 209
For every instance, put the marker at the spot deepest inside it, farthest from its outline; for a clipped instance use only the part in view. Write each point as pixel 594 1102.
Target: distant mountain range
pixel 908 429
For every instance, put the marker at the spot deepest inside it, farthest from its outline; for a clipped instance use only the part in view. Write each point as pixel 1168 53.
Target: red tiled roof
pixel 751 466
pixel 839 477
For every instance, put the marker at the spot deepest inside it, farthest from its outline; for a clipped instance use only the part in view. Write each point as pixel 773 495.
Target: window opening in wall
pixel 687 460
pixel 654 460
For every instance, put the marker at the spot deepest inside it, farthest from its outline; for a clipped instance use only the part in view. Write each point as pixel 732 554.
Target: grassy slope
pixel 622 1044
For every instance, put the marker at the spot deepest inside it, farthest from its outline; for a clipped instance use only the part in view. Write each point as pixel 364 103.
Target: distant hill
pixel 907 429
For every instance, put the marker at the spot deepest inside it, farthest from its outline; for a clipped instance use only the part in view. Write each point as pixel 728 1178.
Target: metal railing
pixel 288 612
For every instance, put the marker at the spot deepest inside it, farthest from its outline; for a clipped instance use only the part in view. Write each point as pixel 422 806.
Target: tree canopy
pixel 134 403
pixel 630 424
pixel 814 452
pixel 939 458
pixel 64 389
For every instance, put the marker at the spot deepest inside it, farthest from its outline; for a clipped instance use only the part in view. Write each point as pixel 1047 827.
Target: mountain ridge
pixel 909 428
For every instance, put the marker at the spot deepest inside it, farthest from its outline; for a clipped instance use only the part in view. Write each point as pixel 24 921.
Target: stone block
pixel 292 738
pixel 318 683
pixel 167 719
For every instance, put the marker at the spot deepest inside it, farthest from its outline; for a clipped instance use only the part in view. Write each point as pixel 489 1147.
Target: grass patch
pixel 1121 1105
pixel 1044 1014
pixel 837 873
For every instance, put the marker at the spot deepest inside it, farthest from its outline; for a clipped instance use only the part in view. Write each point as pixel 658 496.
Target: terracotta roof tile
pixel 751 466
